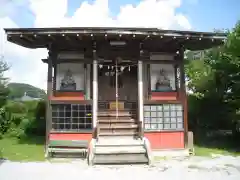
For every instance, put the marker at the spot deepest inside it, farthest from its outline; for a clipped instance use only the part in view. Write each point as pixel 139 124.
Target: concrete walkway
pixel 197 168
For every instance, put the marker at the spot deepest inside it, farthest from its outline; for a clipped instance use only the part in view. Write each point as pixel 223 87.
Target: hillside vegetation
pixel 17 90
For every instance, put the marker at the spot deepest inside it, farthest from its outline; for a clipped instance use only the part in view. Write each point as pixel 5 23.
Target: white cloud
pixel 25 64
pixel 183 21
pixel 148 13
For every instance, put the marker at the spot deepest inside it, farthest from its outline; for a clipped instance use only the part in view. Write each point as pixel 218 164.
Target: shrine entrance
pixel 117 99
pixel 117 81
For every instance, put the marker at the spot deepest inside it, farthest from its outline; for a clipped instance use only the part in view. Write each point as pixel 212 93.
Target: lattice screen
pixel 71 117
pixel 163 117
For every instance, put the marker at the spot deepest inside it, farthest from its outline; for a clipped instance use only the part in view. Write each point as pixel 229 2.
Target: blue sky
pixel 204 15
pixel 26 65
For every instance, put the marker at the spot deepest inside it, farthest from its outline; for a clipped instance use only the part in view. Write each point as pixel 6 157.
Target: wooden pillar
pixel 49 95
pixel 183 96
pixel 95 94
pixel 85 81
pixel 88 85
pixel 140 94
pixel 149 82
pixel 54 64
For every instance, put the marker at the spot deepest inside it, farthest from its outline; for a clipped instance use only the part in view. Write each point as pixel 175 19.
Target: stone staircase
pixel 118 141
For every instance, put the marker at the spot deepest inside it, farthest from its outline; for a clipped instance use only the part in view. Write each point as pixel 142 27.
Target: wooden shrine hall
pixel 117 94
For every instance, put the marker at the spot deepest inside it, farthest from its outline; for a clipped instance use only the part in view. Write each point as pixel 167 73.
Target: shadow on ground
pixel 2 160
pixel 218 140
pixel 38 140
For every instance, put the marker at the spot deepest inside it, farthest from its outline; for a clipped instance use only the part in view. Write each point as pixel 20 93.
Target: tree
pixel 215 84
pixel 4 91
pixel 233 42
pixel 4 116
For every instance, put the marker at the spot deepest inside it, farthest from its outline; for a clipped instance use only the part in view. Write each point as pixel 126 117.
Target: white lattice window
pixel 163 117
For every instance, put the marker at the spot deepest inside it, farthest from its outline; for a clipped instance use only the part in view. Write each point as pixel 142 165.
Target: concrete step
pixel 127 133
pixel 123 131
pixel 120 149
pixel 119 141
pixel 120 159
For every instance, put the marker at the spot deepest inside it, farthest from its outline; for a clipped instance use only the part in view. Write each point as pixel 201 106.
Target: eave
pixel 85 36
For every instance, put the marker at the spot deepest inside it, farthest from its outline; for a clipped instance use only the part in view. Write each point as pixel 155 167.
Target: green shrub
pixel 15 132
pixel 37 125
pixel 4 91
pixel 17 118
pixel 16 107
pixel 21 119
pixel 31 107
pixel 19 130
pixel 40 112
pixel 5 121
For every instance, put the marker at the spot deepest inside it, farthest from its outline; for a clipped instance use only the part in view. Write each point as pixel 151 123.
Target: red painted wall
pixel 70 136
pixel 164 96
pixel 158 140
pixel 64 96
pixel 165 140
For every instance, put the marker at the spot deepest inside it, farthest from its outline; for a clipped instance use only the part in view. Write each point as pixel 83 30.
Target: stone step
pixel 123 149
pixel 120 150
pixel 120 159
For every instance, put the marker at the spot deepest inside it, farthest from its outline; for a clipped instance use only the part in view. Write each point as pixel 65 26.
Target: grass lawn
pixel 31 149
pixel 207 152
pixel 204 151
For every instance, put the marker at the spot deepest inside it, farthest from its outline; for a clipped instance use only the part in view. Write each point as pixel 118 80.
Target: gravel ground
pixel 194 168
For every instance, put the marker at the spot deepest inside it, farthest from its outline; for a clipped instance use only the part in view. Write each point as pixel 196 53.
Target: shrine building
pixel 117 94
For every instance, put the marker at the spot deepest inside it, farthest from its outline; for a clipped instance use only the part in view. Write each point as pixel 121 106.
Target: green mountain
pixel 17 90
